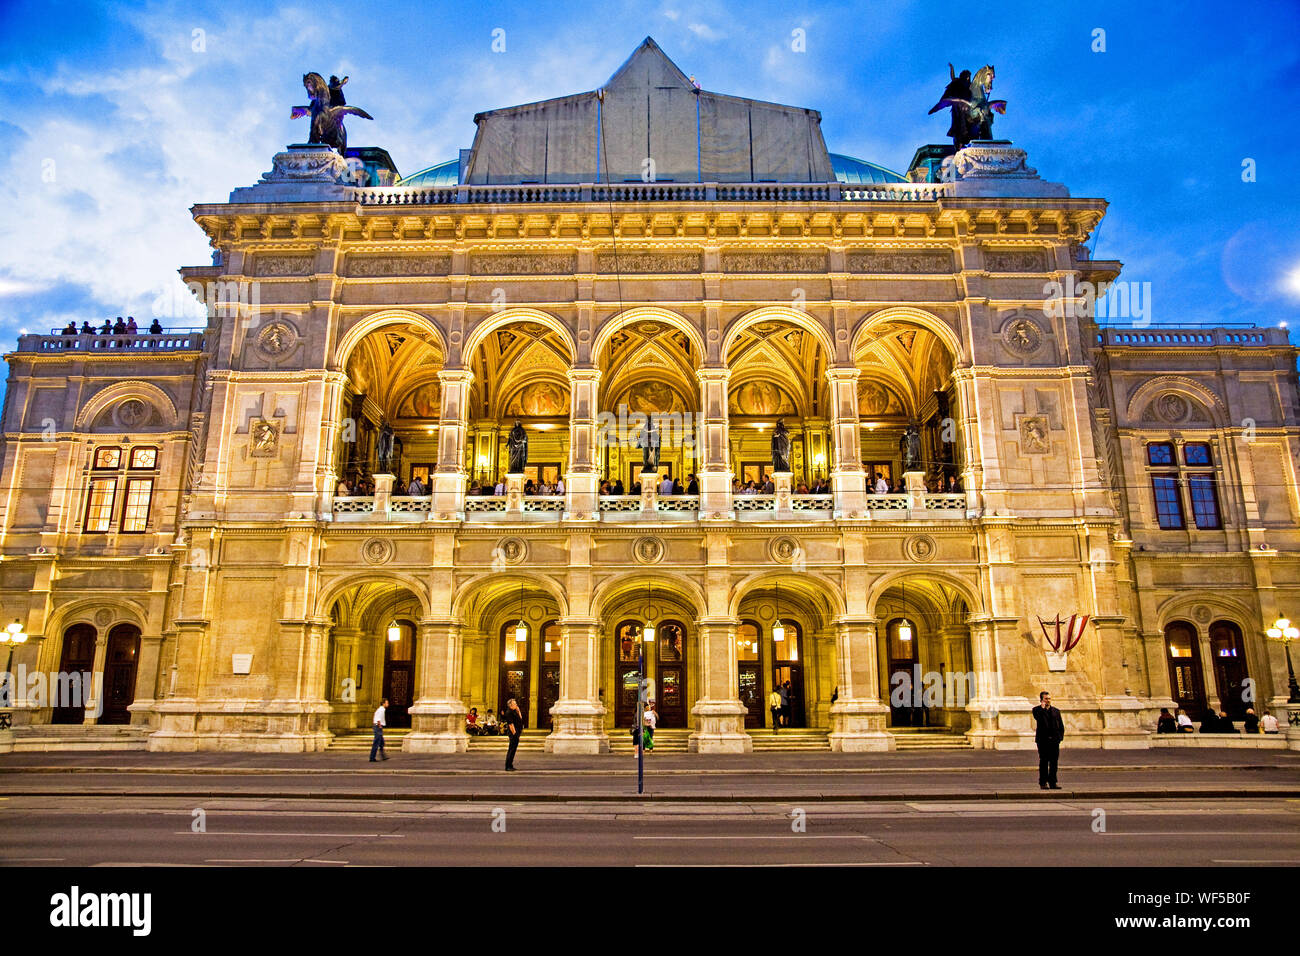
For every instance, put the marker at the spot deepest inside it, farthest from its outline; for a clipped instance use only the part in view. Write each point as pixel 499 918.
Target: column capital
pixel 461 375
pixel 713 373
pixel 583 373
pixel 843 373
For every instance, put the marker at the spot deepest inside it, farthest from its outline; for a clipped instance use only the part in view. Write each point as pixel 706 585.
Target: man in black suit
pixel 1048 736
pixel 514 727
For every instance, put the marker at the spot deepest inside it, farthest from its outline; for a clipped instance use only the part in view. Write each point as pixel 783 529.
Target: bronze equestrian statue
pixel 327 111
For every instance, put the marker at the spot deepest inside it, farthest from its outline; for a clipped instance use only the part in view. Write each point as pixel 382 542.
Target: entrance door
pixel 794 674
pixel 1185 684
pixel 1229 667
pixel 399 675
pixel 78 657
pixel 749 673
pixel 670 674
pixel 902 674
pixel 120 661
pixel 514 670
pixel 627 671
pixel 549 673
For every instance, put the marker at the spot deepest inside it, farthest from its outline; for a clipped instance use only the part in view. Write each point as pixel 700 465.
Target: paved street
pixel 251 832
pixel 1179 809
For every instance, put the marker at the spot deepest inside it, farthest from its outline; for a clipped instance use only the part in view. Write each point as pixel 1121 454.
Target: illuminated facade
pixel 174 516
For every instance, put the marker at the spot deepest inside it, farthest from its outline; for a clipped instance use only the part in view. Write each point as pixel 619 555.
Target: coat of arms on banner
pixel 1062 637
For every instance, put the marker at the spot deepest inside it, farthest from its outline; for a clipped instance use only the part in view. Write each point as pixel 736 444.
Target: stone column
pixel 342 689
pixel 95 697
pixel 714 458
pixel 438 714
pixel 582 479
pixel 719 714
pixel 848 478
pixel 998 721
pixel 449 478
pixel 146 678
pixel 858 716
pixel 578 717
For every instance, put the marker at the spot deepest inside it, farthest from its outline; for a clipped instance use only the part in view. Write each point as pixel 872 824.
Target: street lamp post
pixel 1283 630
pixel 10 637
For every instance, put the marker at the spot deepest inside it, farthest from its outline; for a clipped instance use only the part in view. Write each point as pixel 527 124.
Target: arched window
pixel 1182 649
pixel 747 641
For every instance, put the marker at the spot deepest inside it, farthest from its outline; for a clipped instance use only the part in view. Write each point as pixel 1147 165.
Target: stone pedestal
pixel 719 728
pixel 914 482
pixel 438 716
pixel 578 717
pixel 649 492
pixel 850 491
pixel 858 726
pixel 383 492
pixel 783 481
pixel 515 494
pixel 1293 726
pixel 581 502
pixel 447 491
pixel 715 496
pixel 577 727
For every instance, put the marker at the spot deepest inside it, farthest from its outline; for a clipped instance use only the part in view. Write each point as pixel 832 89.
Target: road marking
pixel 748 865
pixel 1292 862
pixel 32 859
pixel 272 833
pixel 778 836
pixel 294 860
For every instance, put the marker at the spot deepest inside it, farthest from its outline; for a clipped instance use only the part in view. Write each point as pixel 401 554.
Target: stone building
pixel 221 523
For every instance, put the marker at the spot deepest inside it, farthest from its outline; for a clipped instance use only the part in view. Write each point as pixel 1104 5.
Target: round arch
pixel 965 589
pixel 1145 393
pixel 336 589
pixel 611 588
pixel 496 320
pixel 906 313
pixel 773 313
pixel 376 321
pixel 118 391
pixel 1182 608
pixel 646 313
pixel 804 583
pixel 508 580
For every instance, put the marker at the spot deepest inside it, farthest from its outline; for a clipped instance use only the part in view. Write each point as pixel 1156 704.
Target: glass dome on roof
pixel 848 170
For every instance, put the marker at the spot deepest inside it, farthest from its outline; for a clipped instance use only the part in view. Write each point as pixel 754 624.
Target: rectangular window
pixel 108 457
pixel 135 510
pixel 1205 501
pixel 1169 503
pixel 1197 453
pixel 144 457
pixel 99 504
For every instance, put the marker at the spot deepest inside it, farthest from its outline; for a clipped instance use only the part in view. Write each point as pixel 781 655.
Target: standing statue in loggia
pixel 517 445
pixel 909 446
pixel 649 442
pixel 780 447
pixel 384 447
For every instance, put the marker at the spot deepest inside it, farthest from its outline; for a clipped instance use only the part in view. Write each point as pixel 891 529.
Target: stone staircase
pixel 790 740
pixel 530 742
pixel 928 738
pixel 667 741
pixel 44 738
pixel 359 741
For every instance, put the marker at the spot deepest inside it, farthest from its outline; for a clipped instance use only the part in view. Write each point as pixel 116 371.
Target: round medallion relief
pixel 783 549
pixel 512 550
pixel 377 551
pixel 648 550
pixel 921 547
pixel 132 413
pixel 276 339
pixel 1202 614
pixel 103 618
pixel 1172 407
pixel 1022 335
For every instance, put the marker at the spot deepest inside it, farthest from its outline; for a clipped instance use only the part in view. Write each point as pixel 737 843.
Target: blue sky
pixel 119 117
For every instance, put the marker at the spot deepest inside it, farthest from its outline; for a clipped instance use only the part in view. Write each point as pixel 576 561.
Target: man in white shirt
pixel 666 486
pixel 1185 723
pixel 559 486
pixel 1268 723
pixel 882 486
pixel 379 722
pixel 500 489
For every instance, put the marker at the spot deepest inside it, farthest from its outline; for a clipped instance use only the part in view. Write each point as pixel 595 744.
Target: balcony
pixel 179 340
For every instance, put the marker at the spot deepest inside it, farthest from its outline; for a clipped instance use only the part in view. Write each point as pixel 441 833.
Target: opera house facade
pixel 249 532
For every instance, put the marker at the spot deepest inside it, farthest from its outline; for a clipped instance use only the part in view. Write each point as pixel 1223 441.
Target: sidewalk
pixel 975 775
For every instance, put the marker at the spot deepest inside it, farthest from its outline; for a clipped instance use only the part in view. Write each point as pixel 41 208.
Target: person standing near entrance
pixel 774 705
pixel 514 728
pixel 1048 736
pixel 379 721
pixel 650 719
pixel 785 704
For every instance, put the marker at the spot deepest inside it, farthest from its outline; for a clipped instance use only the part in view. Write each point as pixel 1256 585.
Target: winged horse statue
pixel 972 110
pixel 327 111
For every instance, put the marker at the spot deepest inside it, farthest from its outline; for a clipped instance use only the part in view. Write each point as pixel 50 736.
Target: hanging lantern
pixel 548 647
pixel 778 631
pixel 648 632
pixel 394 632
pixel 521 631
pixel 905 631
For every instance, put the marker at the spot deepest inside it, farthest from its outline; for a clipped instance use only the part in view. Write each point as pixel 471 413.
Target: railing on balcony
pixel 647 192
pixel 485 504
pixel 180 340
pixel 1193 337
pixel 945 502
pixel 812 502
pixel 753 503
pixel 409 504
pixel 616 503
pixel 888 502
pixel 354 504
pixel 549 504
pixel 680 504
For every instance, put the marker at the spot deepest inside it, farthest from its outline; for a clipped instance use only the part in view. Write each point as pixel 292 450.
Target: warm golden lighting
pixel 394 632
pixel 778 631
pixel 521 631
pixel 648 634
pixel 905 631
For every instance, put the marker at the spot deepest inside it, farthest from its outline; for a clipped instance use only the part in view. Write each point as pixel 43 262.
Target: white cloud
pixel 704 31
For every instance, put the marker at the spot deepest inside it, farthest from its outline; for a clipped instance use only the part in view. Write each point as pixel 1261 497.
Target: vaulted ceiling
pixel 397 367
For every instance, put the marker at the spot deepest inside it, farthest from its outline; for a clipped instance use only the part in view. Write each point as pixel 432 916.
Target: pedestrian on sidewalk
pixel 514 728
pixel 651 719
pixel 1048 736
pixel 379 721
pixel 785 704
pixel 774 705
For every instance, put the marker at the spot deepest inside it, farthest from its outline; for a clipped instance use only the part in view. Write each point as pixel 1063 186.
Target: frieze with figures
pixel 384 266
pixel 774 262
pixel 649 262
pixel 544 263
pixel 900 263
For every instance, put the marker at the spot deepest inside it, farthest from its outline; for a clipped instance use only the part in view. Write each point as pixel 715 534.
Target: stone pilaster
pixel 715 466
pixel 858 716
pixel 438 714
pixel 998 721
pixel 146 678
pixel 719 714
pixel 95 698
pixel 578 717
pixel 848 478
pixel 582 479
pixel 449 478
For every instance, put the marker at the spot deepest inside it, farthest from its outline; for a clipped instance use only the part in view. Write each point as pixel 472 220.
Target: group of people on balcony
pixel 361 487
pixel 878 484
pixel 122 326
